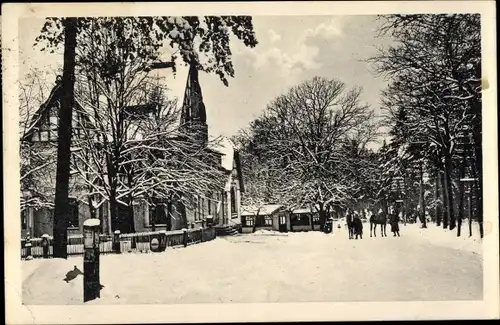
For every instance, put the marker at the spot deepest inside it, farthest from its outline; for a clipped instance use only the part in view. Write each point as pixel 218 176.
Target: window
pixel 210 202
pixel 315 218
pixel 233 200
pixel 204 202
pixel 223 205
pixel 300 219
pixel 169 215
pixel 44 135
pixel 268 221
pixel 196 208
pixel 53 127
pixel 24 220
pixel 248 221
pixel 157 214
pixel 36 136
pixel 53 122
pixel 73 220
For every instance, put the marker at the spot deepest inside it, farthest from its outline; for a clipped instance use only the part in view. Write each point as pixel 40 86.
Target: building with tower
pixel 221 207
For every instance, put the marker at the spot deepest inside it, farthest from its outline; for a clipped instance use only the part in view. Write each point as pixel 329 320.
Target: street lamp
pixel 469 181
pixel 399 200
pixel 464 149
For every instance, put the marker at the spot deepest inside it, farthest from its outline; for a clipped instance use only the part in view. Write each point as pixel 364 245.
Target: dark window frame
pixel 248 221
pixel 233 199
pixel 24 220
pixel 157 217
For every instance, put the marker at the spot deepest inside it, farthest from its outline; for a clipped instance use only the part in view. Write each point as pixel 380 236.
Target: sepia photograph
pixel 238 159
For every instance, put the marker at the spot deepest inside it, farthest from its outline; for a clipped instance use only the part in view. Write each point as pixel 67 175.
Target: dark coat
pixel 358 226
pixel 394 223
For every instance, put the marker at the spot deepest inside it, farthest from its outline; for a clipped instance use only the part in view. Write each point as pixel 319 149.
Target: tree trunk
pixel 64 141
pixel 93 212
pixel 113 207
pixel 130 216
pixel 444 201
pixel 437 210
pixel 422 198
pixel 461 202
pixel 129 222
pixel 449 192
pixel 469 208
pixel 322 217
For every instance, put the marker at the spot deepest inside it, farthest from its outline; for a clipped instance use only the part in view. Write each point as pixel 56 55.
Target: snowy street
pixel 274 267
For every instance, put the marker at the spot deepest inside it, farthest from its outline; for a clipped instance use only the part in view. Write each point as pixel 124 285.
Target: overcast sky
pixel 291 49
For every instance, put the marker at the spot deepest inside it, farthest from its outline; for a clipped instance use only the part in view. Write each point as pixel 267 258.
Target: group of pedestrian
pixel 355 225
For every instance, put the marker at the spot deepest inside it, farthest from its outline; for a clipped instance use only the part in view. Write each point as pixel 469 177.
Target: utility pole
pixel 64 140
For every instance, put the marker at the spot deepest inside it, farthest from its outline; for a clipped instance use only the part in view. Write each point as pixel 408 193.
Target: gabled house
pixel 39 141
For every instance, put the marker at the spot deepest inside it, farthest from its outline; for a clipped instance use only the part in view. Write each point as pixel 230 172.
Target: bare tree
pixel 307 129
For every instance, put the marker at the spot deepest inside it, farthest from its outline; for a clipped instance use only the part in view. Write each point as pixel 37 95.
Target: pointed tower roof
pixel 193 108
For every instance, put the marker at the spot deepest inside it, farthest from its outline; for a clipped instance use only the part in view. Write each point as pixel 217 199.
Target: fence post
pixel 28 247
pixel 45 245
pixel 116 242
pixel 185 237
pixel 133 241
pixel 163 240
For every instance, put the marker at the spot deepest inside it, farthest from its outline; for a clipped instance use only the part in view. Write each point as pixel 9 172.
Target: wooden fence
pixel 128 242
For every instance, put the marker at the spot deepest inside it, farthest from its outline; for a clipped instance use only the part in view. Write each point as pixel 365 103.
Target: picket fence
pixel 139 242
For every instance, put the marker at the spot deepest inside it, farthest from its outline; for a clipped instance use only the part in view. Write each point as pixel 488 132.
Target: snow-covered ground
pixel 448 238
pixel 276 267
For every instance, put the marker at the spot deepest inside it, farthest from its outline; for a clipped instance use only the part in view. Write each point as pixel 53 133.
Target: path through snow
pixel 274 267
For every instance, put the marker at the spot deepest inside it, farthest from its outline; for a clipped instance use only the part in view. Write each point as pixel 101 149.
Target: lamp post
pixel 464 150
pixel 469 181
pixel 399 200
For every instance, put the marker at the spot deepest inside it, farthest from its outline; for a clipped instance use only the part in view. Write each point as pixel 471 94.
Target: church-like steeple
pixel 193 115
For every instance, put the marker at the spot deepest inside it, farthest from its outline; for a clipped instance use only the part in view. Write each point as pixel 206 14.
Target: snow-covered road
pixel 261 267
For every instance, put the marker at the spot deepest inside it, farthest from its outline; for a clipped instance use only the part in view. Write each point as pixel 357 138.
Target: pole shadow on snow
pixel 73 274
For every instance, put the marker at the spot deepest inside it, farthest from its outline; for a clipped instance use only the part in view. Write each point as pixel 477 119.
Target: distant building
pixel 277 217
pixel 268 216
pixel 304 219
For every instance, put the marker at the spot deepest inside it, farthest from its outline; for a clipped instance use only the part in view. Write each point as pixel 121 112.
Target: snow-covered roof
pixel 226 147
pixel 304 210
pixel 264 210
